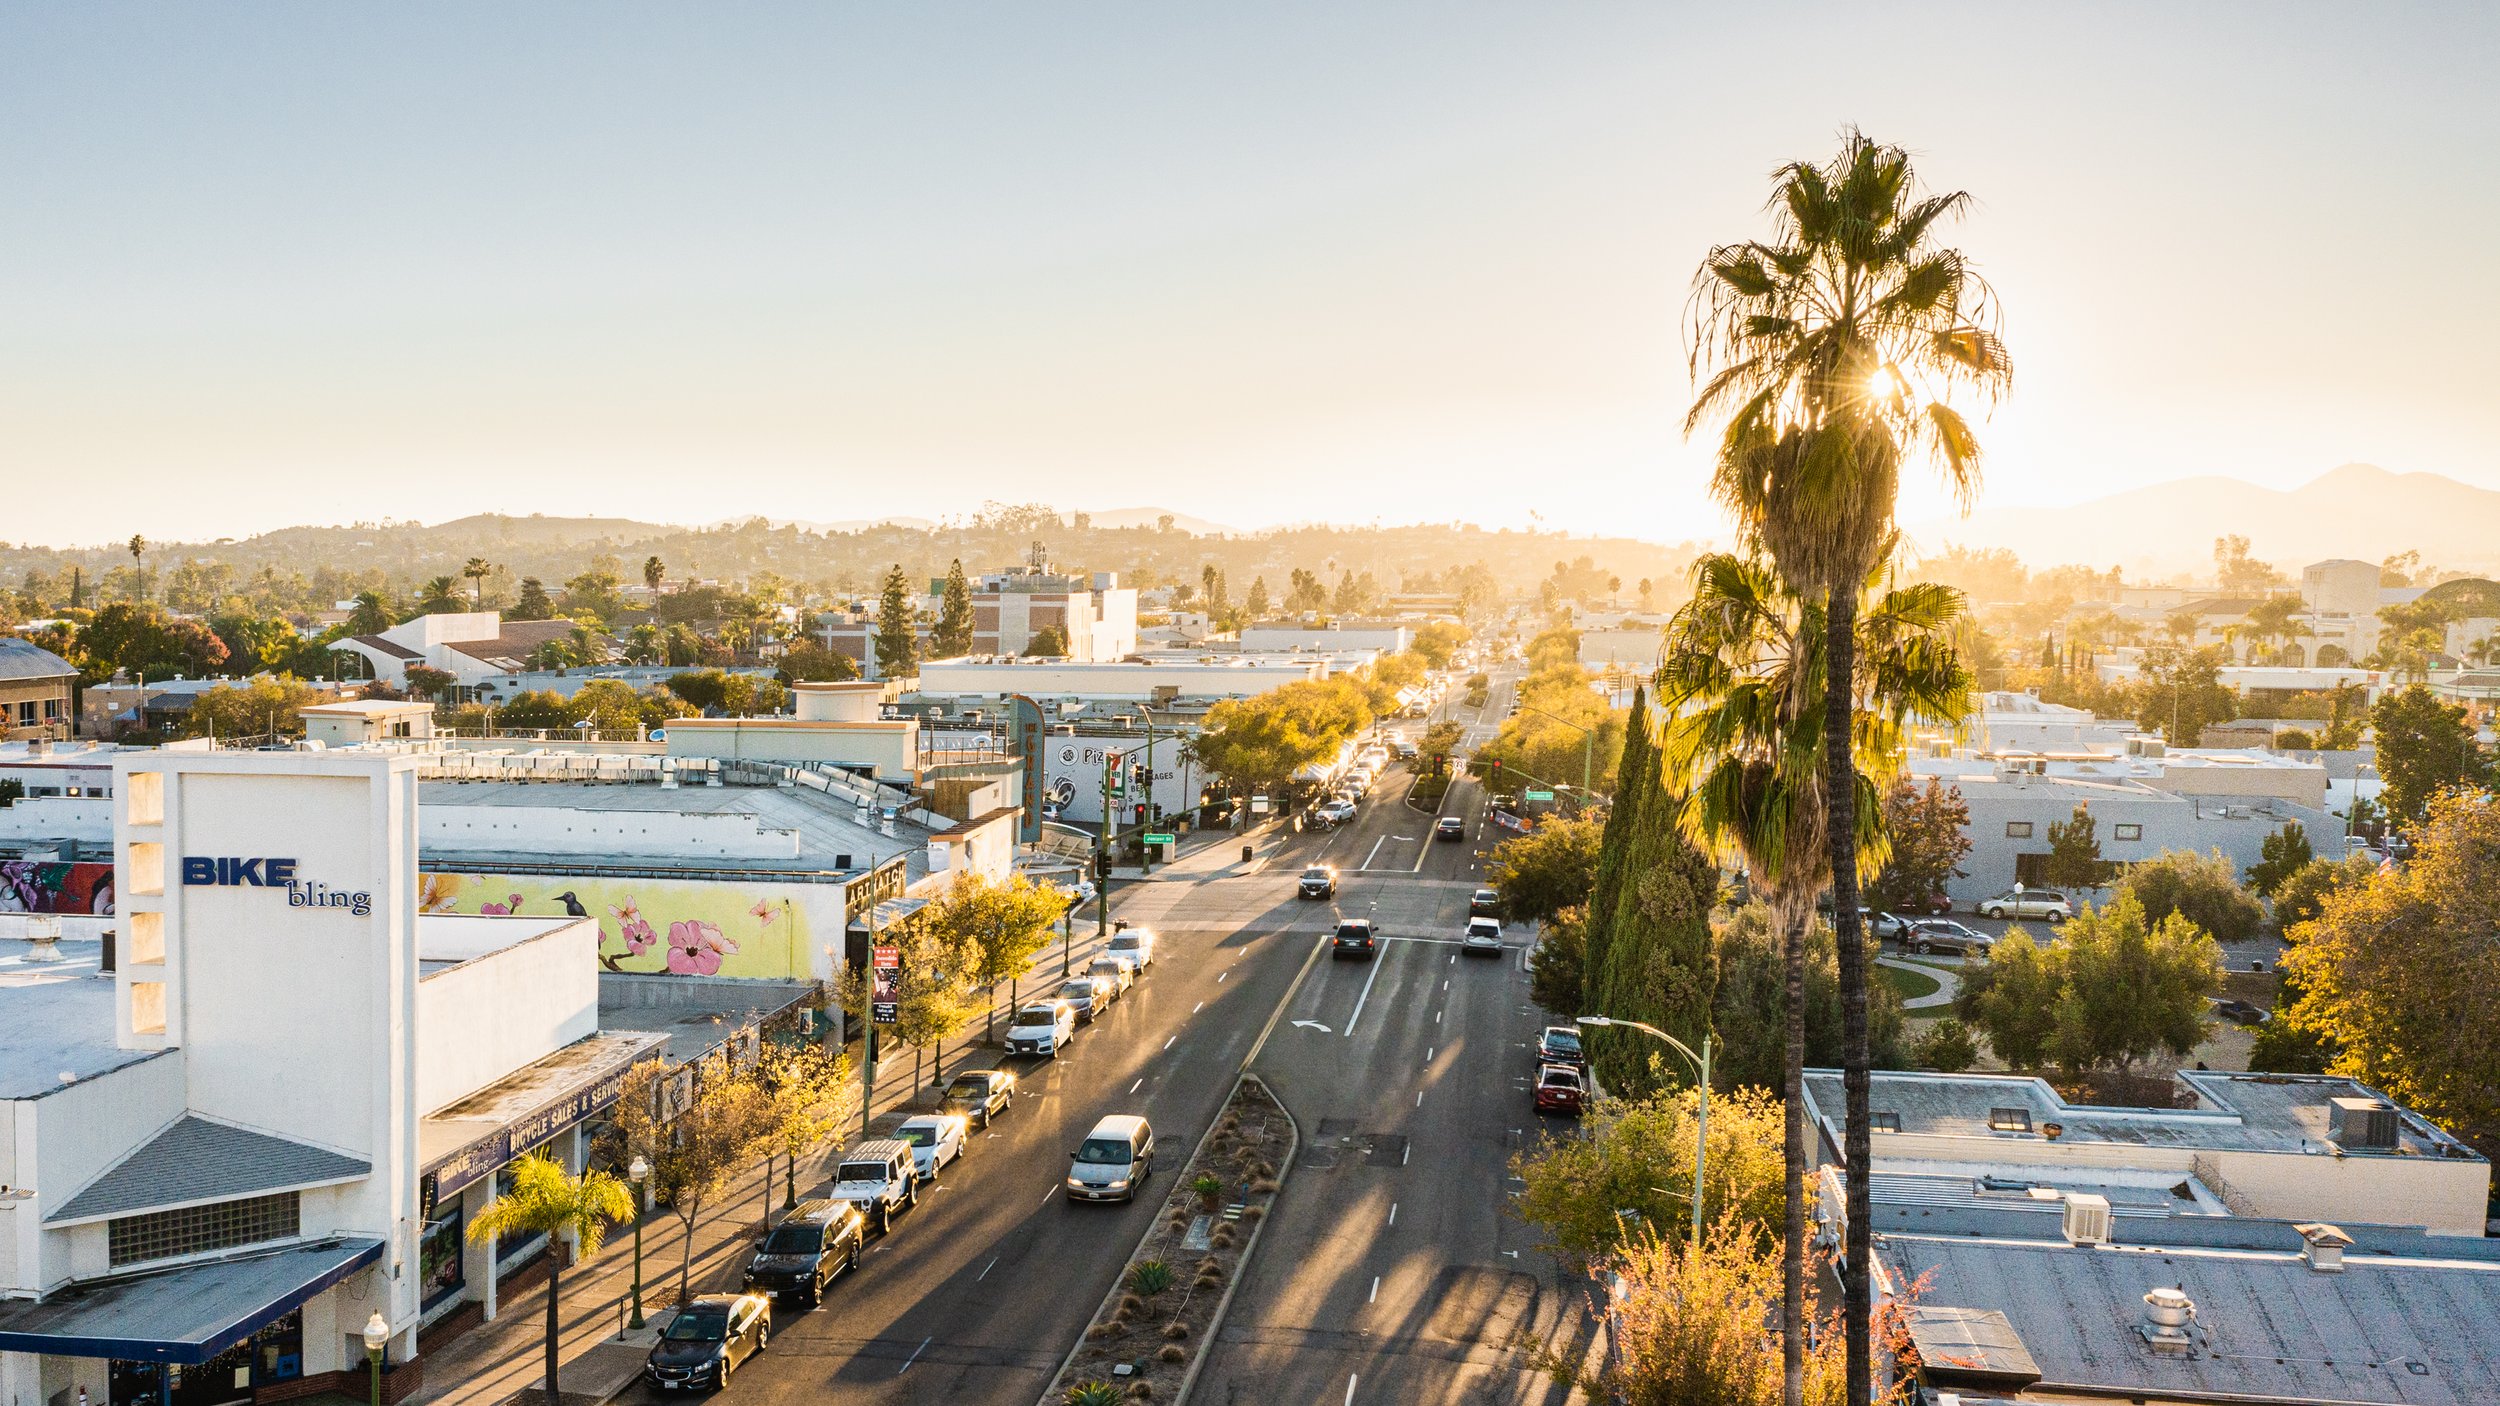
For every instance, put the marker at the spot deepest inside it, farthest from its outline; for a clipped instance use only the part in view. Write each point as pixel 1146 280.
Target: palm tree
pixel 438 596
pixel 654 571
pixel 545 1201
pixel 371 615
pixel 477 571
pixel 1829 351
pixel 1742 675
pixel 138 562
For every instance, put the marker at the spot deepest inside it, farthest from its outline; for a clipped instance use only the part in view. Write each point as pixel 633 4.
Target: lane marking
pixel 1375 854
pixel 1409 1152
pixel 1219 976
pixel 1193 1010
pixel 1141 1082
pixel 1350 1380
pixel 1359 1000
pixel 1436 1017
pixel 1171 1042
pixel 1393 1213
pixel 915 1356
pixel 1375 1298
pixel 985 1270
pixel 1445 981
pixel 1419 1098
pixel 1045 1199
pixel 1429 1052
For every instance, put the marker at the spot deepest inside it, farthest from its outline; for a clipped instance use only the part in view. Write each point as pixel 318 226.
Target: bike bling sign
pixel 227 871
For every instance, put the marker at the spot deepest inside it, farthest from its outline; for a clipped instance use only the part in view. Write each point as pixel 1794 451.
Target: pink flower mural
pixel 695 948
pixel 504 909
pixel 764 911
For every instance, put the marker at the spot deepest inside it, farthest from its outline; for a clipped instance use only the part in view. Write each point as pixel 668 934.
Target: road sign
pixel 1536 795
pixel 1154 839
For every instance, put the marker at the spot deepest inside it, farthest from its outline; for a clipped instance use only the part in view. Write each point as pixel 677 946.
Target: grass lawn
pixel 1911 985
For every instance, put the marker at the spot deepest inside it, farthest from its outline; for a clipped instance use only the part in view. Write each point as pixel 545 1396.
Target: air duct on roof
pixel 2086 1220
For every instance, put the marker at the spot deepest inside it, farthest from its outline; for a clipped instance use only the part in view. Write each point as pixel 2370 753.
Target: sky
pixel 281 263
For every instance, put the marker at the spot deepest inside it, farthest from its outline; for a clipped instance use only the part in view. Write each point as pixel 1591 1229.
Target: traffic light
pixel 1497 767
pixel 1102 866
pixel 1141 812
pixel 1140 777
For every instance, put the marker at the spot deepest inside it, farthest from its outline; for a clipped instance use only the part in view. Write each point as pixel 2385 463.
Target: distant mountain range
pixel 2359 511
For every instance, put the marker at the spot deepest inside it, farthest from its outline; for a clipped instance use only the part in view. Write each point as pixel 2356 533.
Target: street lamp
pixel 635 1173
pixel 377 1337
pixel 1701 1067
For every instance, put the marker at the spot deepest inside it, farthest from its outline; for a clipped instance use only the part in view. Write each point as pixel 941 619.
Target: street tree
pixel 696 1151
pixel 1548 869
pixel 998 924
pixel 810 1096
pixel 898 622
pixel 1829 352
pixel 2425 746
pixel 1558 964
pixel 2285 852
pixel 1257 744
pixel 1927 828
pixel 1628 1171
pixel 2134 987
pixel 951 637
pixel 2399 970
pixel 2075 852
pixel 2204 887
pixel 545 1200
pixel 1439 642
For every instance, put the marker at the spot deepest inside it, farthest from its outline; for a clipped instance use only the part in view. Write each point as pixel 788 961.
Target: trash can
pixel 1246 852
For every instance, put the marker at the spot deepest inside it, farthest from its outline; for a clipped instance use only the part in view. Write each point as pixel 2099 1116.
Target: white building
pixel 1379 638
pixel 1161 679
pixel 268 1120
pixel 1095 614
pixel 471 646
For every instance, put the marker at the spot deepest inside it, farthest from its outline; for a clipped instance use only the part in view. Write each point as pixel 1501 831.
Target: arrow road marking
pixel 1315 1025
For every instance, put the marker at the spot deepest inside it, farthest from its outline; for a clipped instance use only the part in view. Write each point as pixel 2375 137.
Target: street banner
pixel 885 998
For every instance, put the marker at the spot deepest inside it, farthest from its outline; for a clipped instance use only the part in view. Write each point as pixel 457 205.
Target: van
pixel 1117 1157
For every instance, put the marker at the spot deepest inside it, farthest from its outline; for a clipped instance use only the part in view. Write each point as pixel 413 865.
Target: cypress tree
pixel 1636 777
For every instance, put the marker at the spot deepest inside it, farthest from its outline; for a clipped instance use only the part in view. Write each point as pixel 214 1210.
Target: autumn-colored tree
pixel 1928 827
pixel 695 1151
pixel 1631 1166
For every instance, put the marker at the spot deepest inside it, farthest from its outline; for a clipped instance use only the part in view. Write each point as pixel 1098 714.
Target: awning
pixel 183 1316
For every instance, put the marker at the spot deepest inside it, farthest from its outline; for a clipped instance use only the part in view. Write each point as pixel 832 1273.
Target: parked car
pixel 1560 1044
pixel 1484 903
pixel 1946 935
pixel 1885 926
pixel 1319 881
pixel 2029 903
pixel 1333 813
pixel 1483 938
pixel 2240 1012
pixel 1449 827
pixel 816 1243
pixel 707 1340
pixel 1114 968
pixel 1406 751
pixel 980 1094
pixel 1043 1028
pixel 1355 938
pixel 1089 994
pixel 936 1139
pixel 1134 945
pixel 1116 1158
pixel 1559 1089
pixel 881 1177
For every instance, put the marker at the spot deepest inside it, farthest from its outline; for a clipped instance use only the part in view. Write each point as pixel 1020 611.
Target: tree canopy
pixel 2425 746
pixel 1546 870
pixel 2204 887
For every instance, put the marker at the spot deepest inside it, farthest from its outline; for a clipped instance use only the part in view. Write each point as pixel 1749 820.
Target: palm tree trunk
pixel 1793 1170
pixel 555 1277
pixel 1840 787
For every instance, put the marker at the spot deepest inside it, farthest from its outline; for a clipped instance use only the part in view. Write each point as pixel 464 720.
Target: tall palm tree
pixel 654 571
pixel 1829 350
pixel 138 562
pixel 1742 675
pixel 545 1201
pixel 438 596
pixel 477 571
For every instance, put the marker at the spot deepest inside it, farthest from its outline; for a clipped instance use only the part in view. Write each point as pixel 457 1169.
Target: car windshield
pixel 917 1134
pixel 1127 942
pixel 1037 1015
pixel 1559 1078
pixel 1105 1151
pixel 1321 874
pixel 794 1240
pixel 965 1087
pixel 1078 991
pixel 699 1324
pixel 1561 1040
pixel 862 1171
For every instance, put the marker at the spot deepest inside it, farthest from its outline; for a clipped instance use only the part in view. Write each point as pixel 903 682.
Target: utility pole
pixel 1102 845
pixel 1146 793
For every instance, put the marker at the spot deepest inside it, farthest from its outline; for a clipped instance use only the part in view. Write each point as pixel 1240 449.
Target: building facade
pixel 36 686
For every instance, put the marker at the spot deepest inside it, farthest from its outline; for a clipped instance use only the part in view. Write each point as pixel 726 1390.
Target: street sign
pixel 1154 839
pixel 885 999
pixel 1533 795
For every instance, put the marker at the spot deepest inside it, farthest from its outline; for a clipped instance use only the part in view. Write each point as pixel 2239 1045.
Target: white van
pixel 1116 1159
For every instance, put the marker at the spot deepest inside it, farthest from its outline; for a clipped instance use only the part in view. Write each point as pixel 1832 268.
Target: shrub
pixel 1093 1394
pixel 1174 1353
pixel 1175 1330
pixel 1947 1047
pixel 1150 1277
pixel 1129 1304
pixel 1210 1191
pixel 1223 1237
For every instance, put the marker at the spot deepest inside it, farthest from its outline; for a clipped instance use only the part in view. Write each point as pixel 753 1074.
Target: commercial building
pixel 1163 679
pixel 35 688
pixel 263 1124
pixel 2292 1147
pixel 1378 637
pixel 1095 615
pixel 471 646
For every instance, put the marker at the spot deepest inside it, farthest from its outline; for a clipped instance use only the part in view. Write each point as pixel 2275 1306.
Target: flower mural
pixel 662 927
pixel 695 948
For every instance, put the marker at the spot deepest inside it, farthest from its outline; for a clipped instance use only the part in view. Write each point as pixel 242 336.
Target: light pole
pixel 1146 795
pixel 377 1336
pixel 636 1173
pixel 1588 749
pixel 1701 1067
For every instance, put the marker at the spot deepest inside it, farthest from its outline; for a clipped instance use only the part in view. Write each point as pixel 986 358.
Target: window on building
pixel 2131 832
pixel 2009 1120
pixel 196 1230
pixel 2018 829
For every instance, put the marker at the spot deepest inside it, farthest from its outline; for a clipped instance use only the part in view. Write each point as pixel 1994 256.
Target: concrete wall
pixel 891 747
pixel 489 1016
pixel 2443 1195
pixel 1388 639
pixel 68 1138
pixel 595 834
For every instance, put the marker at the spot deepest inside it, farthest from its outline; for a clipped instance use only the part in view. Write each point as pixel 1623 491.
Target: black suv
pixel 815 1244
pixel 1560 1044
pixel 1356 939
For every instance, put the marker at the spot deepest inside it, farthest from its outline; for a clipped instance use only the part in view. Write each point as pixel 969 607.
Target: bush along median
pixel 1156 1324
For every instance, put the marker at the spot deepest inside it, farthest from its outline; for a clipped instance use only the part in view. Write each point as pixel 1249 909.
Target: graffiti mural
pixel 40 886
pixel 685 927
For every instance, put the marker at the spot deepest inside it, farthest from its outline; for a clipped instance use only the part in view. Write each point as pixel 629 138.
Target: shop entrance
pixel 274 1354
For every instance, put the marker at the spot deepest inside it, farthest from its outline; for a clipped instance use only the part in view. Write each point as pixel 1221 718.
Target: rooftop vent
pixel 2009 1120
pixel 2167 1314
pixel 2364 1123
pixel 2323 1247
pixel 43 934
pixel 2086 1219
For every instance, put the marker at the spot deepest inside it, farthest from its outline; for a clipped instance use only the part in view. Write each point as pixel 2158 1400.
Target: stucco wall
pixel 479 1021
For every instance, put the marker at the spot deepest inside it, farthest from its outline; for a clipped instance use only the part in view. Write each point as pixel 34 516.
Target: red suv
pixel 1558 1089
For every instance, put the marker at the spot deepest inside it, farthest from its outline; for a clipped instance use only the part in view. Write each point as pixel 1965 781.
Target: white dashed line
pixel 915 1356
pixel 1419 1098
pixel 1171 1042
pixel 1375 1298
pixel 1429 1052
pixel 1409 1152
pixel 985 1270
pixel 1393 1213
pixel 1193 1010
pixel 1048 1194
pixel 1141 1082
pixel 1219 976
pixel 1349 1388
pixel 1436 1017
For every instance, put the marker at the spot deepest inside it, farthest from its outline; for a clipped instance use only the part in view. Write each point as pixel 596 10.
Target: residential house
pixel 35 692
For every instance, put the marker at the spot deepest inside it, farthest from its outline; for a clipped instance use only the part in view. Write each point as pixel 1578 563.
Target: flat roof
pixel 2417 1330
pixel 2291 1113
pixel 827 828
pixel 56 1019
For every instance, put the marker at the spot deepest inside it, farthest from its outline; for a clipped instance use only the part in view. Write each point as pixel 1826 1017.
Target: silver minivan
pixel 1117 1157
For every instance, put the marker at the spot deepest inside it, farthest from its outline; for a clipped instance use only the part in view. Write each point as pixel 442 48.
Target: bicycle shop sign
pixel 261 872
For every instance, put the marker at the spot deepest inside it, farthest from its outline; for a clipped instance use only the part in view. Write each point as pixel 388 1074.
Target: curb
pixel 1224 1305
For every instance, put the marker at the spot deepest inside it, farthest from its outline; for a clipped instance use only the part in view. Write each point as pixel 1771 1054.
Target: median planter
pixel 1154 1327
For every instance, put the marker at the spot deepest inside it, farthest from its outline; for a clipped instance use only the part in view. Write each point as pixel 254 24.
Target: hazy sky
pixel 268 263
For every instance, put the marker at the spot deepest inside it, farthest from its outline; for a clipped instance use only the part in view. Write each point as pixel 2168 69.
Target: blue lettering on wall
pixel 231 871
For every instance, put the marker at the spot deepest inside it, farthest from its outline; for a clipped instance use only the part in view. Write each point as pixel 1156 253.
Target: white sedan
pixel 936 1139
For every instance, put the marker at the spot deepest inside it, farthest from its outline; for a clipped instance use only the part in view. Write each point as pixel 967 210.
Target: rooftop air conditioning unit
pixel 2364 1123
pixel 2086 1219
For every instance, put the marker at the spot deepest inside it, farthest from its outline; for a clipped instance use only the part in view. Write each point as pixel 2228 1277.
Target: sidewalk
pixel 1216 854
pixel 492 1363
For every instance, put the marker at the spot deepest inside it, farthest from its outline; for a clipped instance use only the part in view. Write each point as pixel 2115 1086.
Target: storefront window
pixel 232 1377
pixel 442 1270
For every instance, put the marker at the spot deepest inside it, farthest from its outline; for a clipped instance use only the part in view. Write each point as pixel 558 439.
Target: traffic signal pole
pixel 1102 846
